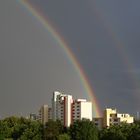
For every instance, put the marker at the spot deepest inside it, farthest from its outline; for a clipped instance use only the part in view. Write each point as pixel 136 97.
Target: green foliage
pixel 14 128
pixel 112 133
pixel 135 132
pixel 137 122
pixel 20 129
pixel 121 132
pixel 63 137
pixel 33 131
pixel 83 130
pixel 5 131
pixel 53 129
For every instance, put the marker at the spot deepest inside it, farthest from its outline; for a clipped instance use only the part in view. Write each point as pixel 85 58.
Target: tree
pixel 20 129
pixel 63 137
pixel 5 131
pixel 111 134
pixel 135 132
pixel 83 130
pixel 123 131
pixel 53 129
pixel 34 131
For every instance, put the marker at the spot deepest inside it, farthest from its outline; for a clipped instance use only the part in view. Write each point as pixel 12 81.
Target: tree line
pixel 14 128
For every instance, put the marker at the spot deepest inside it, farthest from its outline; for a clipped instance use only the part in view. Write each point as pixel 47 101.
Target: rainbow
pixel 46 23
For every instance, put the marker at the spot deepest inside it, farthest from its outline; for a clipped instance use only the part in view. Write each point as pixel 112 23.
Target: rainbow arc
pixel 46 23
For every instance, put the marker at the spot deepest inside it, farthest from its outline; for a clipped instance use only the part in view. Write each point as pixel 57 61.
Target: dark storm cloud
pixel 88 32
pixel 30 71
pixel 32 64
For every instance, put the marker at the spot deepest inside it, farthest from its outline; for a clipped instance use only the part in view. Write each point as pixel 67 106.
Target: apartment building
pixel 98 121
pixel 81 109
pixel 61 107
pixel 45 114
pixel 33 116
pixel 67 110
pixel 112 117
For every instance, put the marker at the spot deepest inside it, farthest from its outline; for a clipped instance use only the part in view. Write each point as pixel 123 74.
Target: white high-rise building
pixel 55 105
pixel 61 107
pixel 67 110
pixel 81 109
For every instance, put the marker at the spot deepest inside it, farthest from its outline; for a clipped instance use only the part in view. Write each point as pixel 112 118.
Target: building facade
pixel 61 107
pixel 98 121
pixel 112 117
pixel 45 114
pixel 67 110
pixel 33 116
pixel 81 109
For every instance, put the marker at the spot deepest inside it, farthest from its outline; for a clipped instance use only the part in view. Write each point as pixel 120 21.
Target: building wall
pixel 67 110
pixel 43 114
pixel 111 117
pixel 61 107
pixel 33 116
pixel 49 113
pixel 98 122
pixel 55 106
pixel 106 116
pixel 76 114
pixel 86 110
pixel 125 118
pixel 81 109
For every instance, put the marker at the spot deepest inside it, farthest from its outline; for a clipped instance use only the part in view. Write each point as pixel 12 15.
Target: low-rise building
pixel 112 117
pixel 98 122
pixel 33 116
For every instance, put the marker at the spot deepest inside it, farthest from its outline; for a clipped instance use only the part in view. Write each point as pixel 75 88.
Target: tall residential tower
pixel 67 110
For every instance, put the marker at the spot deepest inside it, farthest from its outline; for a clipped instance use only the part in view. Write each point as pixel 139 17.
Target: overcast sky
pixel 103 35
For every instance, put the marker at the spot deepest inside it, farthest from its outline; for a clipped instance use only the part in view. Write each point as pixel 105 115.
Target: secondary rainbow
pixel 32 9
pixel 120 46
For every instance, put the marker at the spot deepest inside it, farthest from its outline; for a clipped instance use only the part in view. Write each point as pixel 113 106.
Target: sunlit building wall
pixel 61 107
pixel 81 109
pixel 108 113
pixel 125 118
pixel 111 117
pixel 67 110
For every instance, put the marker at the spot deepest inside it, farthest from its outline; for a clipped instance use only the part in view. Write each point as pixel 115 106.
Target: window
pixel 115 120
